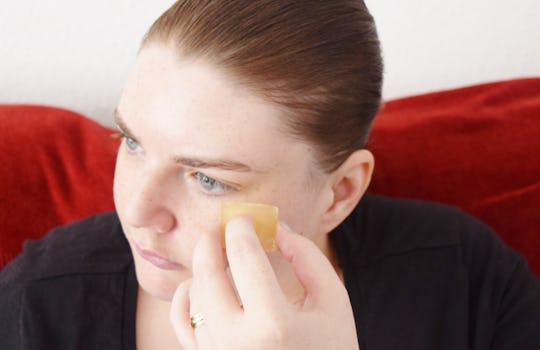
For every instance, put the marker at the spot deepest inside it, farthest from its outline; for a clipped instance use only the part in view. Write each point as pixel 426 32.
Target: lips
pixel 156 259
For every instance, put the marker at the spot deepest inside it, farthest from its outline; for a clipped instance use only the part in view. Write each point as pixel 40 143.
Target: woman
pixel 263 101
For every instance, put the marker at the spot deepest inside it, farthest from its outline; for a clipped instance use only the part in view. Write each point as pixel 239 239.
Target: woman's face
pixel 193 138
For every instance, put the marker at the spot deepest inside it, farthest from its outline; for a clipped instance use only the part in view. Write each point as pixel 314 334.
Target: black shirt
pixel 419 276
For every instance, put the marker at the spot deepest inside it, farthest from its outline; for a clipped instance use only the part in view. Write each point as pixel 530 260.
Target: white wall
pixel 76 53
pixel 438 44
pixel 71 53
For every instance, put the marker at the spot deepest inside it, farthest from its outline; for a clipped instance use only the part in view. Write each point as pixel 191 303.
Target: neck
pixel 287 277
pixel 324 244
pixel 153 329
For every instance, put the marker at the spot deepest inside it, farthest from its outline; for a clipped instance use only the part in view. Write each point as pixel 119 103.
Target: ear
pixel 347 185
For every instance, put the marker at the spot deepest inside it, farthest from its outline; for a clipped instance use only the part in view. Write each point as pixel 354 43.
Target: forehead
pixel 196 107
pixel 189 85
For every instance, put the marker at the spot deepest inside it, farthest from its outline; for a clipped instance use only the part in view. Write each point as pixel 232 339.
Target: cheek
pixel 199 215
pixel 195 215
pixel 121 183
pixel 301 209
pixel 302 217
pixel 193 221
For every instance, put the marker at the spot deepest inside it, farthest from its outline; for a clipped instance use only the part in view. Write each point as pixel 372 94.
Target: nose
pixel 148 204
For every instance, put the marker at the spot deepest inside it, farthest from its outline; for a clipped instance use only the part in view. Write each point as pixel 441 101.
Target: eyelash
pixel 202 178
pixel 117 135
pixel 127 140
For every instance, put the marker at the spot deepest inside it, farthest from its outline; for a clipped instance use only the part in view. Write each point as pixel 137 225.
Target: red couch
pixel 476 147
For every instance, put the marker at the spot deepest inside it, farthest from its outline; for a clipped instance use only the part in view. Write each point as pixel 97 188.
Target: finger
pixel 203 335
pixel 212 291
pixel 312 267
pixel 251 270
pixel 180 317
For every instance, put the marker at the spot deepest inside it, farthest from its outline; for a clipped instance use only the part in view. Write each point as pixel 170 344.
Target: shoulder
pixel 93 245
pixel 430 269
pixel 380 227
pixel 84 268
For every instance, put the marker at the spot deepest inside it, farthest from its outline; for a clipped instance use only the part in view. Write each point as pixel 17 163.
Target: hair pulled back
pixel 318 59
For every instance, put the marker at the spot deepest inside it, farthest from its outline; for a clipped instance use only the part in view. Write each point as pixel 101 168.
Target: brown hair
pixel 320 59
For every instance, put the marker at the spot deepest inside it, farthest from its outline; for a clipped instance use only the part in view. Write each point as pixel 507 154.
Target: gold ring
pixel 197 320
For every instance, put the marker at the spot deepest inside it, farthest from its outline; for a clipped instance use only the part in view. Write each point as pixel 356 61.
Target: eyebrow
pixel 201 163
pixel 212 163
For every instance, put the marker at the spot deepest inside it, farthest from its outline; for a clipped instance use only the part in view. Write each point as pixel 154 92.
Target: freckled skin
pixel 189 108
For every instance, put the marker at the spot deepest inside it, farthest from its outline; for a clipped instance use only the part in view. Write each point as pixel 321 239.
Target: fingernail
pixel 285 225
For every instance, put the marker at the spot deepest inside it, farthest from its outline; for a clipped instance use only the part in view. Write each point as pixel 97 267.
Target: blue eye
pixel 131 144
pixel 210 185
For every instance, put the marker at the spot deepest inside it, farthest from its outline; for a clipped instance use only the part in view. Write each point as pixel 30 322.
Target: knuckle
pixel 276 331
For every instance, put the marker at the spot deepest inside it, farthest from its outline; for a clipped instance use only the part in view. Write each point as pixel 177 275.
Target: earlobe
pixel 348 184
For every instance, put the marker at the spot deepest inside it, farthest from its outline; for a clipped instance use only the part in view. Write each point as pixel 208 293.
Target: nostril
pixel 160 223
pixel 165 223
pixel 162 219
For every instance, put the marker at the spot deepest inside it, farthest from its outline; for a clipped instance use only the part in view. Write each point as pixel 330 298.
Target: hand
pixel 262 318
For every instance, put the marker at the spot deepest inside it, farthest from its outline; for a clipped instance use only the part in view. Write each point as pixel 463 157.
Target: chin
pixel 165 294
pixel 158 283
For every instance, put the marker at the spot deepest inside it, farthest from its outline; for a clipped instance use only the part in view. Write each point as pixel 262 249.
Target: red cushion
pixel 57 166
pixel 476 147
